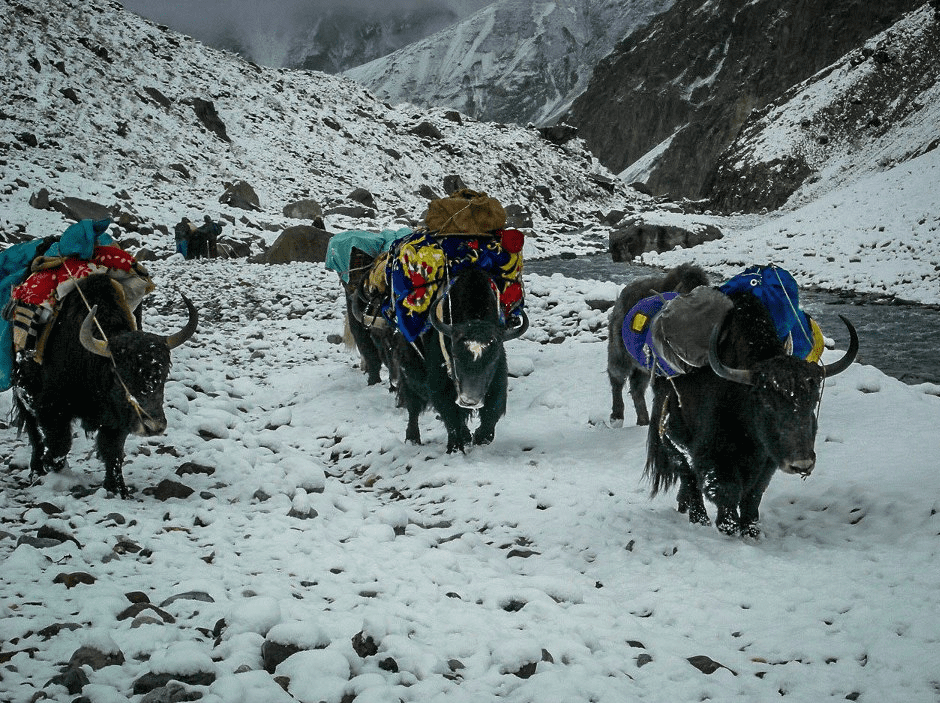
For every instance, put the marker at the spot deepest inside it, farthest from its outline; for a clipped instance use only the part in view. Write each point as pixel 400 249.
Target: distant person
pixel 182 233
pixel 211 231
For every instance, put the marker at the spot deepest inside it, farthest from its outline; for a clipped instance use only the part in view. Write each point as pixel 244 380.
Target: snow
pixel 534 569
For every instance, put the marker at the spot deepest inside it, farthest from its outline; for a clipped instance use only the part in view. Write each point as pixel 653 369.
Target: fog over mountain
pixel 324 35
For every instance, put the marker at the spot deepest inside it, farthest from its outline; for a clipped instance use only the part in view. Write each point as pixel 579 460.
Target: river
pixel 900 339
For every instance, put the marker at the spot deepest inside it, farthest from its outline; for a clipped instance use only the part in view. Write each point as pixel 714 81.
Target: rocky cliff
pixel 670 99
pixel 867 112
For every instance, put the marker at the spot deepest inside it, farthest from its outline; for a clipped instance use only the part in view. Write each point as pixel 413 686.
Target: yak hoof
pixel 728 525
pixel 752 530
pixel 483 437
pixel 615 422
pixel 642 421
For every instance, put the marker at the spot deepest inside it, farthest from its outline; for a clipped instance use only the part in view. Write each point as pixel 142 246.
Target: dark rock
pixel 363 197
pixel 74 579
pixel 364 645
pixel 355 211
pixel 74 680
pixel 173 692
pixel 137 608
pixel 200 596
pixel 95 658
pixel 40 199
pixel 167 489
pixel 273 653
pixel 191 467
pixel 150 681
pixel 53 630
pixel 298 243
pixel 303 210
pixel 559 134
pixel 27 138
pixel 209 117
pixel 47 532
pixel 389 664
pixel 80 209
pixel 707 665
pixel 158 97
pixel 428 130
pixel 241 195
pixel 70 94
pixel 639 236
pixel 453 183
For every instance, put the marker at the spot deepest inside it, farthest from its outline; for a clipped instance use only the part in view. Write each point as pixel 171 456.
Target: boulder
pixel 298 243
pixel 80 209
pixel 639 236
pixel 305 209
pixel 241 195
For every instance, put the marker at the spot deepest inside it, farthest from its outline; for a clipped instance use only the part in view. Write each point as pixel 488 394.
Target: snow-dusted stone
pixel 317 676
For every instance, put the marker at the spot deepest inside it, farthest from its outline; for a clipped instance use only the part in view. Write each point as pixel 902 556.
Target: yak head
pixel 472 340
pixel 141 364
pixel 776 400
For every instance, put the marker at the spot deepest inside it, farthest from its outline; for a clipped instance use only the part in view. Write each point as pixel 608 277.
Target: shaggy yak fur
pixel 620 365
pixel 722 430
pixel 73 382
pixel 460 364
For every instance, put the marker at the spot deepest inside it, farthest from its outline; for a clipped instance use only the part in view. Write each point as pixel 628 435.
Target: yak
pixel 114 386
pixel 371 335
pixel 722 430
pixel 459 365
pixel 620 364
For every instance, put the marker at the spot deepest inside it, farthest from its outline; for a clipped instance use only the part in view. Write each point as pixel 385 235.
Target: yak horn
pixel 87 338
pixel 846 361
pixel 438 323
pixel 726 372
pixel 178 338
pixel 518 330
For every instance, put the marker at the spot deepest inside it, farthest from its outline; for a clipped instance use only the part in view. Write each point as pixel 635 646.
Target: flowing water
pixel 901 339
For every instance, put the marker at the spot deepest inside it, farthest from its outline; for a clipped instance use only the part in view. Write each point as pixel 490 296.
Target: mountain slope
pixel 668 100
pixel 874 108
pixel 106 106
pixel 512 61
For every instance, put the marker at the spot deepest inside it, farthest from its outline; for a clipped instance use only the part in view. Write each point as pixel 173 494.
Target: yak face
pixel 781 412
pixel 475 348
pixel 142 362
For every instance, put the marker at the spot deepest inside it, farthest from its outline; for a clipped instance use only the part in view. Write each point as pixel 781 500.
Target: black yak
pixel 620 364
pixel 460 364
pixel 722 430
pixel 113 386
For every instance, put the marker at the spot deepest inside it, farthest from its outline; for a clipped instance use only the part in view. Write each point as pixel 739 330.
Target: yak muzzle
pixel 469 403
pixel 150 427
pixel 800 467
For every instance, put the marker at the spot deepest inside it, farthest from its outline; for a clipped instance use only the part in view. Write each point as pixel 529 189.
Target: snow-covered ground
pixel 533 569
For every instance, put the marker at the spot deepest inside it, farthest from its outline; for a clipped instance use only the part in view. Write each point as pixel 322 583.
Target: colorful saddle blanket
pixel 421 263
pixel 668 334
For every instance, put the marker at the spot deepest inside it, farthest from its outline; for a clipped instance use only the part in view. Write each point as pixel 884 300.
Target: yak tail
pixel 663 457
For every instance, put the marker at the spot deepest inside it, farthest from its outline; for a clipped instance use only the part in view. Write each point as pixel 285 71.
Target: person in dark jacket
pixel 182 233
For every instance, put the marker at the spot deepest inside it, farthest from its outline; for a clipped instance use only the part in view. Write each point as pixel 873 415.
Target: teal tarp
pixel 341 244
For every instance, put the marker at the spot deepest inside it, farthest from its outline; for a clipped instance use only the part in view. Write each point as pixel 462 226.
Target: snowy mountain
pixel 318 36
pixel 513 61
pixel 876 107
pixel 668 100
pixel 105 106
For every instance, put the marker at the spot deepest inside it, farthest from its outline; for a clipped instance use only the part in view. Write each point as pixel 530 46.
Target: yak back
pixel 82 383
pixel 749 335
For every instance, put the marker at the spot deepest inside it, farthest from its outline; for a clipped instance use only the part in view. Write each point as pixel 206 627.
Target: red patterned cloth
pixel 44 286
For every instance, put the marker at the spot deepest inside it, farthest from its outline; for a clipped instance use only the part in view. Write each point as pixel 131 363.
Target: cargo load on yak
pixel 464 230
pixel 668 334
pixel 39 274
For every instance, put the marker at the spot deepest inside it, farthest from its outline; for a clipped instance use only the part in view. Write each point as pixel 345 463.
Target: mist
pixel 325 35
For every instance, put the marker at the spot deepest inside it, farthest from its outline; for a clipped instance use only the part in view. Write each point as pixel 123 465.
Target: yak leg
pixel 455 420
pixel 54 432
pixel 750 504
pixel 494 406
pixel 639 380
pixel 371 361
pixel 616 398
pixel 689 499
pixel 111 451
